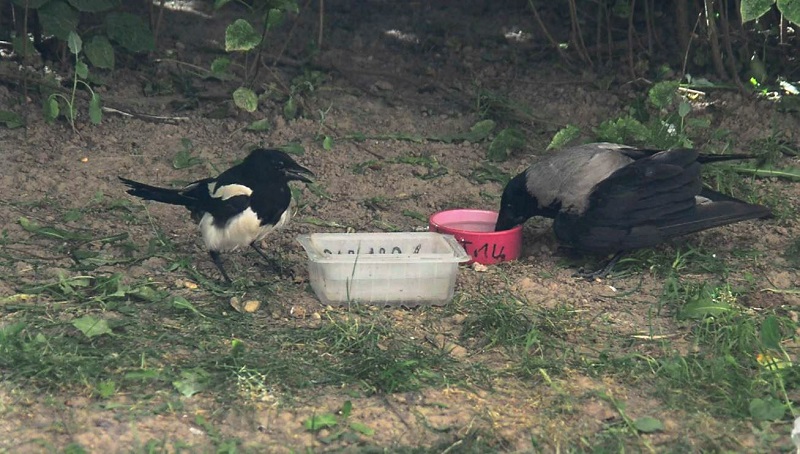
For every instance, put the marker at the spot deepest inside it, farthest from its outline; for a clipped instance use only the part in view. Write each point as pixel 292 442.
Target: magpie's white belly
pixel 240 230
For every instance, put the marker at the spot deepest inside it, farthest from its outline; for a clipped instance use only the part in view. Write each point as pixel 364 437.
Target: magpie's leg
pixel 276 265
pixel 260 252
pixel 218 262
pixel 602 272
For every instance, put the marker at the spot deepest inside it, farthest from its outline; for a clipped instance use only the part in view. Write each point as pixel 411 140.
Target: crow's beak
pixel 507 221
pixel 299 173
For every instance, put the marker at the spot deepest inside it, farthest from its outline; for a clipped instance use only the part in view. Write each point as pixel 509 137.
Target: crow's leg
pixel 218 262
pixel 602 272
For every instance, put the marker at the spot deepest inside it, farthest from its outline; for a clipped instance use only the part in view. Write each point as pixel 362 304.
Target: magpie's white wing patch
pixel 229 190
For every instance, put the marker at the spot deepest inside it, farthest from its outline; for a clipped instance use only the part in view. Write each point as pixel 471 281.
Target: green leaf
pixel 81 70
pixel 318 422
pixel 58 18
pixel 327 143
pixel 180 302
pixel 192 382
pixel 94 6
pixel 220 3
pixel 293 148
pixel 245 99
pixel 753 9
pixel 507 140
pixel 146 293
pixel 622 130
pixel 287 5
pixel 274 18
pixel 11 119
pixel 240 36
pixel 361 428
pixel 662 94
pixel 767 409
pixel 95 109
pixel 32 4
pixel 259 125
pixel 347 408
pixel 130 32
pixel 704 306
pixel 106 389
pixel 771 333
pixel 289 109
pixel 23 46
pixel 184 157
pixel 51 232
pixel 74 43
pixel 50 108
pixel 91 326
pixel 648 424
pixel 220 65
pixel 790 10
pixel 564 136
pixel 480 131
pixel 100 52
pixel 684 108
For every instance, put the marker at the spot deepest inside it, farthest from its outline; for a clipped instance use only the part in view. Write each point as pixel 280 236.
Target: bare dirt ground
pixel 377 85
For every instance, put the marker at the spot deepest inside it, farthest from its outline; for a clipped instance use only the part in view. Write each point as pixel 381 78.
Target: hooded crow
pixel 239 207
pixel 607 198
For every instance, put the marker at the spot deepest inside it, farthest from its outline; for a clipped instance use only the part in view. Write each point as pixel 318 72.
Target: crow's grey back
pixel 569 176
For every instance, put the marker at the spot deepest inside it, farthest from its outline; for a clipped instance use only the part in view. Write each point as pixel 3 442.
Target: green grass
pixel 160 344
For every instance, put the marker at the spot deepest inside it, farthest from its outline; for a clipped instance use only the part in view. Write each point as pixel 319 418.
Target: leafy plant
pixel 754 9
pixel 59 18
pixel 341 421
pixel 52 108
pixel 665 121
pixel 242 38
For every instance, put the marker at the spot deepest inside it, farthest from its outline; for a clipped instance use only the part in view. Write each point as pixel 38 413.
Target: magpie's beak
pixel 299 173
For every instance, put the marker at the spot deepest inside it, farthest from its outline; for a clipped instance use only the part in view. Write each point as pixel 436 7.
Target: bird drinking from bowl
pixel 608 198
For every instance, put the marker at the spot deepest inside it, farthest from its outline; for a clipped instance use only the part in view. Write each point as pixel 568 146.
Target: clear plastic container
pixel 389 269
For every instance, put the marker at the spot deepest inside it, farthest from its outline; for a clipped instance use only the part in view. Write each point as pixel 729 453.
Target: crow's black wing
pixel 649 201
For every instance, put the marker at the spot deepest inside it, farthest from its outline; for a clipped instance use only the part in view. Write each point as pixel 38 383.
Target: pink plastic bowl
pixel 474 229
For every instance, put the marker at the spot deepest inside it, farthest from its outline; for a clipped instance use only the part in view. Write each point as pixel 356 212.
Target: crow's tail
pixel 706 158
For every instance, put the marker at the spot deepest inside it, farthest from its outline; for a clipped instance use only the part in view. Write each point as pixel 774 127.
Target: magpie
pixel 239 207
pixel 609 198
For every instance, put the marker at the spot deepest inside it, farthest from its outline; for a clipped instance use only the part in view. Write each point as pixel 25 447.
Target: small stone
pixel 236 304
pixel 456 351
pixel 297 312
pixel 384 85
pixel 479 267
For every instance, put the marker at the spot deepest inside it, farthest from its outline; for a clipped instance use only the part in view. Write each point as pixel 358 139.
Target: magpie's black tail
pixel 163 195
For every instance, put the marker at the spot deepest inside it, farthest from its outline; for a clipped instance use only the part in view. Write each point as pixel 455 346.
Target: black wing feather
pixel 649 201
